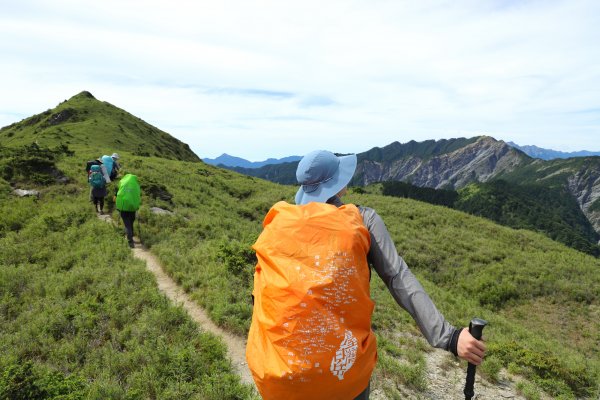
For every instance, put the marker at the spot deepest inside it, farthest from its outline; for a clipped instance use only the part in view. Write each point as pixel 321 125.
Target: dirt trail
pixel 444 376
pixel 236 346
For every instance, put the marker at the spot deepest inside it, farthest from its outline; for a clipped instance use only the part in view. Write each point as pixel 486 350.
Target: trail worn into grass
pixel 236 346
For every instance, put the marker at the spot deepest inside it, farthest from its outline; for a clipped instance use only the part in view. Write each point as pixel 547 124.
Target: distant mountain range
pixel 232 161
pixel 547 154
pixel 457 163
pixel 227 160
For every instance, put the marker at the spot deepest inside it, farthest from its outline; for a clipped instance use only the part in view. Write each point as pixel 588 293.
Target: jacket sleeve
pixel 404 286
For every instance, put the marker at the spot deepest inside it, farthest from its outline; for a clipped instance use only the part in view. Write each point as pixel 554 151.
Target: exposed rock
pixel 585 187
pixel 61 116
pixel 25 193
pixel 477 162
pixel 160 211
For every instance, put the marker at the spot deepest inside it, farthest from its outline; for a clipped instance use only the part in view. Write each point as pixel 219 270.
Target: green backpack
pixel 129 196
pixel 95 178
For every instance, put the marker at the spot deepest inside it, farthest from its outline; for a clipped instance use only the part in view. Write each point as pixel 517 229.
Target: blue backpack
pixel 96 179
pixel 108 164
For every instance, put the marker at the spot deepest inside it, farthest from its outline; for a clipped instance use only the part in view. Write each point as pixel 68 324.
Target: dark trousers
pixel 364 395
pixel 128 218
pixel 99 201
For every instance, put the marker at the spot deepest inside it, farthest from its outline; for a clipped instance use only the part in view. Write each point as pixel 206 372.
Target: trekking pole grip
pixel 476 330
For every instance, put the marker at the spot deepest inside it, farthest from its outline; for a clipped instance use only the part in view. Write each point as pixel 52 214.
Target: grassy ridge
pixel 510 276
pixel 470 266
pixel 92 127
pixel 533 290
pixel 82 319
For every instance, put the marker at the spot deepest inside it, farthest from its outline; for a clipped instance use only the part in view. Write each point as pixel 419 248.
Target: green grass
pixel 92 128
pixel 82 319
pixel 470 266
pixel 74 324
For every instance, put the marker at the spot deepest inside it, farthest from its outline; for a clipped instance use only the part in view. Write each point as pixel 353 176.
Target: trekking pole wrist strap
pixel 453 343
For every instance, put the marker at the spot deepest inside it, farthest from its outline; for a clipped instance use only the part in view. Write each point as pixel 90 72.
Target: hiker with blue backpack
pixel 112 165
pixel 98 192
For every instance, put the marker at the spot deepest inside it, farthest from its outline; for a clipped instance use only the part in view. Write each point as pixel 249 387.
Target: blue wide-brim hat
pixel 322 175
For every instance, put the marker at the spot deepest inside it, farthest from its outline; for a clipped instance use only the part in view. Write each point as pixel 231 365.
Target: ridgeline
pixel 82 318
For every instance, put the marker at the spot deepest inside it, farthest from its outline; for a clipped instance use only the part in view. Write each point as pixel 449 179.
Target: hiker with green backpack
pixel 128 201
pixel 98 187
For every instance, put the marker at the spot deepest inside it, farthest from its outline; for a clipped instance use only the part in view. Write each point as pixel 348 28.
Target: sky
pixel 260 79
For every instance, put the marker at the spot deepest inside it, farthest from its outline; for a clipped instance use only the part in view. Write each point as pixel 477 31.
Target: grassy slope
pixel 552 211
pixel 93 128
pixel 470 265
pixel 81 318
pixel 553 172
pixel 533 290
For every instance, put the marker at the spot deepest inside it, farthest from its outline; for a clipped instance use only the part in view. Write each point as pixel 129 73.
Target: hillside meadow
pixel 531 289
pixel 540 297
pixel 81 318
pixel 83 123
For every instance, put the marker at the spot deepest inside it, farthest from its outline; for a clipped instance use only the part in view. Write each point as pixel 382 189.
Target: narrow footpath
pixel 236 346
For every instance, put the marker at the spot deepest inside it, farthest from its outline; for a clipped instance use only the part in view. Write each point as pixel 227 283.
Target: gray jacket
pixel 403 285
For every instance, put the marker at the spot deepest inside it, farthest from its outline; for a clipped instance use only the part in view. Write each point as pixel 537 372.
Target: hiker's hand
pixel 469 348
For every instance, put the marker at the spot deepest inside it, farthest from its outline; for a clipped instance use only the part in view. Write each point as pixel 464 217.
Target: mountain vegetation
pixel 425 150
pixel 82 319
pixel 93 127
pixel 284 173
pixel 548 210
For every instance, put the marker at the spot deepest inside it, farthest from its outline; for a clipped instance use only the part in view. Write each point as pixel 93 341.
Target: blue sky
pixel 259 79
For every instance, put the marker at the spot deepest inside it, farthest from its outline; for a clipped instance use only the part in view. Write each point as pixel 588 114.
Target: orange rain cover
pixel 311 335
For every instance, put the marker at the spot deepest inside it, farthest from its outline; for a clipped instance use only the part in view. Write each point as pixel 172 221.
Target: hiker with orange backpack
pixel 311 336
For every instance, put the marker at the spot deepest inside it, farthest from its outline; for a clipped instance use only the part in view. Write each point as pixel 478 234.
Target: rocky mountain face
pixel 455 163
pixel 585 187
pixel 479 161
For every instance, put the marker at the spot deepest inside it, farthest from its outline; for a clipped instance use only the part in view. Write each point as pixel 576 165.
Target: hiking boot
pixel 131 244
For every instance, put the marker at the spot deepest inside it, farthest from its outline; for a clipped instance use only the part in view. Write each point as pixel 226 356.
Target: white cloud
pixel 274 78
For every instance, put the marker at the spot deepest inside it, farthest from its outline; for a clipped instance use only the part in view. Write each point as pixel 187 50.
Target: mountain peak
pixel 85 122
pixel 486 138
pixel 83 95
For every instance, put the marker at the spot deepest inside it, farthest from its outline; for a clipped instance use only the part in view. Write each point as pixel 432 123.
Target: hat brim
pixel 325 190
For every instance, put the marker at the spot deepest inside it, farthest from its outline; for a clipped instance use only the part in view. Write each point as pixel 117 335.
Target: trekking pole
pixel 476 330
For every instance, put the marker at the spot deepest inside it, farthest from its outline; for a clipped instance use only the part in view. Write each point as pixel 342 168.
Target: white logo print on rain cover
pixel 344 356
